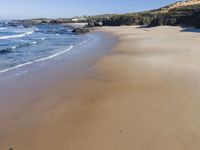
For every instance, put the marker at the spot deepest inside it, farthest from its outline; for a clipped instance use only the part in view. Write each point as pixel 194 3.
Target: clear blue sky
pixel 19 9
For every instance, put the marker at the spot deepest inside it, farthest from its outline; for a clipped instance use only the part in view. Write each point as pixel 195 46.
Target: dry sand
pixel 143 96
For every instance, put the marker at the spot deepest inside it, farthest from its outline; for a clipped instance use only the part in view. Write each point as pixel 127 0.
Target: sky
pixel 23 9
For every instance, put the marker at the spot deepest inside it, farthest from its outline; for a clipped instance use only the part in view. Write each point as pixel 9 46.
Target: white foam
pixel 14 47
pixel 3 28
pixel 29 33
pixel 35 42
pixel 38 60
pixel 36 29
pixel 83 42
pixel 16 36
pixel 43 38
pixel 21 73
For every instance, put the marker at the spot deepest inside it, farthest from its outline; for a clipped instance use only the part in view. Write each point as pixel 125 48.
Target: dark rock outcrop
pixel 128 19
pixel 93 23
pixel 157 21
pixel 80 30
pixel 186 16
pixel 189 19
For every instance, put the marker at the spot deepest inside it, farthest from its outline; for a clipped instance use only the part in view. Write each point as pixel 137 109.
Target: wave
pixel 3 28
pixel 37 60
pixel 10 49
pixel 83 42
pixel 43 38
pixel 16 36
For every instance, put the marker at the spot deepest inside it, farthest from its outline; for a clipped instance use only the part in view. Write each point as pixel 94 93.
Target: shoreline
pixel 72 50
pixel 38 60
pixel 141 95
pixel 29 100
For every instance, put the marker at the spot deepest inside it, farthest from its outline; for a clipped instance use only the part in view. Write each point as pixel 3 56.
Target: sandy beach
pixel 142 95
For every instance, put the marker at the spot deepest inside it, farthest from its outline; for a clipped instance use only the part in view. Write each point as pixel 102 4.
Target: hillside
pixel 180 4
pixel 184 15
pixel 181 13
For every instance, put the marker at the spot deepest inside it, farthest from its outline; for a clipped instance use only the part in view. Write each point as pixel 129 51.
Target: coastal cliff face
pixel 186 13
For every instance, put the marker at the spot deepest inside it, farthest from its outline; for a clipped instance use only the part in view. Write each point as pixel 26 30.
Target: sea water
pixel 21 46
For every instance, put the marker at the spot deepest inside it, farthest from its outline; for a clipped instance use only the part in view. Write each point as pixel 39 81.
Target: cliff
pixel 186 13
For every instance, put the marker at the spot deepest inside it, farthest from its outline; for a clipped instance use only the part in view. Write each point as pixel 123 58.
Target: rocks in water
pixel 52 31
pixel 80 30
pixel 12 24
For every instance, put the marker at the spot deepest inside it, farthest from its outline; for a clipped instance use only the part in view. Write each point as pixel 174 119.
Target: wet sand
pixel 143 95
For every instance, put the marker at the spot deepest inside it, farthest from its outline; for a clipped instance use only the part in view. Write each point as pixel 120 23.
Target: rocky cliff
pixel 186 13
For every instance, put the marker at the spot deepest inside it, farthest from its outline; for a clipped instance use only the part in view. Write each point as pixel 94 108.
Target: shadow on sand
pixel 184 29
pixel 143 26
pixel 190 29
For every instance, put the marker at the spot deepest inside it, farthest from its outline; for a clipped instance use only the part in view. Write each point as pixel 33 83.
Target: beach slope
pixel 143 95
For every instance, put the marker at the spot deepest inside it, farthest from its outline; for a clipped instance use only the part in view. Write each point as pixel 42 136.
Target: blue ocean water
pixel 20 46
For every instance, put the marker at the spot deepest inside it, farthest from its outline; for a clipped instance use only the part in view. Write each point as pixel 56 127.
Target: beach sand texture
pixel 144 95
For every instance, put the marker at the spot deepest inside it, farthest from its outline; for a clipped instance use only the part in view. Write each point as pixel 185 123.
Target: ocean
pixel 21 46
